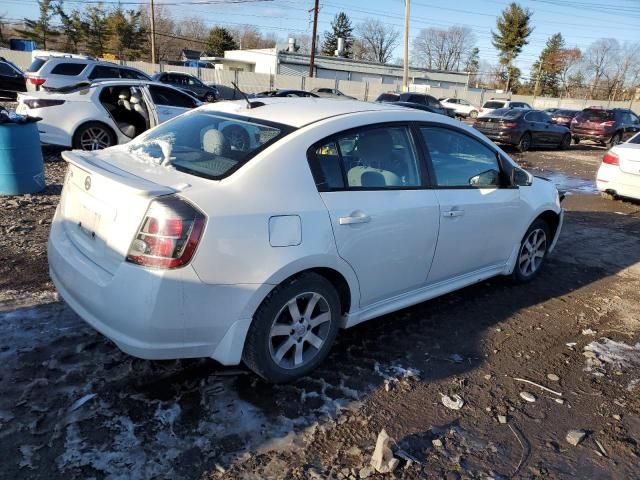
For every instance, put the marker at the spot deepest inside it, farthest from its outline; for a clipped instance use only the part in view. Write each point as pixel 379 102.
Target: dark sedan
pixel 420 106
pixel 564 116
pixel 416 98
pixel 285 93
pixel 12 80
pixel 190 84
pixel 524 129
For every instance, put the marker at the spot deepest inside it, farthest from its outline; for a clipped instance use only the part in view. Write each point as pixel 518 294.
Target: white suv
pixel 53 72
pixel 461 107
pixel 491 105
pixel 180 244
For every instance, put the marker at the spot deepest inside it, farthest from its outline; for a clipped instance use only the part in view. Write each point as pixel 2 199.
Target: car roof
pixel 174 72
pixel 298 112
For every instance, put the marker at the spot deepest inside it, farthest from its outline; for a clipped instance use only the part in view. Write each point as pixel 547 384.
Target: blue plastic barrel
pixel 21 164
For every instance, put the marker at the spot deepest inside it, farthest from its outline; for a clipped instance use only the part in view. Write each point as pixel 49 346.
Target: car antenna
pixel 244 95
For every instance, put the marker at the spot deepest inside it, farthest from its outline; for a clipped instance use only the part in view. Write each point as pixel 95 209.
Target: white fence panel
pixel 375 89
pixel 250 82
pixel 288 81
pixel 21 59
pixel 146 67
pixel 353 89
pixel 312 82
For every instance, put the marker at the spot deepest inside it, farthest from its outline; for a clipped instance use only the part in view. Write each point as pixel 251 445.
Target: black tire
pixel 520 273
pixel 258 352
pixel 473 114
pixel 102 135
pixel 238 138
pixel 565 143
pixel 576 140
pixel 525 142
pixel 616 139
pixel 210 97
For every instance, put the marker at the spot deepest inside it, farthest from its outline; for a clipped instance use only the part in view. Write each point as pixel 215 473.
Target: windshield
pixel 493 105
pixel 206 144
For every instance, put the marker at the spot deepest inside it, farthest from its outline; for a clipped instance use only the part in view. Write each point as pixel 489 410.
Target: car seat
pixel 376 159
pixel 137 106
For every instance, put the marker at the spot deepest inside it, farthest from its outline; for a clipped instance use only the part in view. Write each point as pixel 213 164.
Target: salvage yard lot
pixel 74 406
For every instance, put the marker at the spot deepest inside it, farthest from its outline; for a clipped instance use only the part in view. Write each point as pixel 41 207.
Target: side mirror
pixel 520 177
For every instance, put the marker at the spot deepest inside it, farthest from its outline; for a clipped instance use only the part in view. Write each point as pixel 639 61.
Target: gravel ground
pixel 74 406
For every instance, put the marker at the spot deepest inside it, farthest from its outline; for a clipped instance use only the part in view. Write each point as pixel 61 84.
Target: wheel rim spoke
pixel 320 319
pixel 280 330
pixel 298 354
pixel 308 311
pixel 314 340
pixel 532 252
pixel 294 311
pixel 284 348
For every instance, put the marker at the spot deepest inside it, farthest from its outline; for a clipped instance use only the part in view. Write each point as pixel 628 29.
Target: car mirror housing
pixel 521 178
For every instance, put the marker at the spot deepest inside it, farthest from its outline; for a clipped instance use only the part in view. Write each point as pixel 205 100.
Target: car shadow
pixel 208 414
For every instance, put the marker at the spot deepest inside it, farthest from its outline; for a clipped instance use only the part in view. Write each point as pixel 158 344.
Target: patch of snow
pixel 618 354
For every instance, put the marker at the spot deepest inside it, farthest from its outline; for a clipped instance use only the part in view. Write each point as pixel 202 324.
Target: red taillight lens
pixel 611 158
pixel 169 234
pixel 610 123
pixel 37 81
pixel 509 124
pixel 42 103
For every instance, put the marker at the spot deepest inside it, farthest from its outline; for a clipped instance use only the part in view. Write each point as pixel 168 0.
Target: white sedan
pixel 619 172
pixel 180 245
pixel 99 115
pixel 461 107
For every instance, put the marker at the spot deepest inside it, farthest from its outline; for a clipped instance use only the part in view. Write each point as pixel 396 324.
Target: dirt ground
pixel 74 406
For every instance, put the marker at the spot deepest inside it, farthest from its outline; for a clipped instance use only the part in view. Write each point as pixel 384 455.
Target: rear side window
pixel 459 160
pixel 370 158
pixel 493 105
pixel 101 71
pixel 69 69
pixel 132 74
pixel 36 65
pixel 388 97
pixel 206 144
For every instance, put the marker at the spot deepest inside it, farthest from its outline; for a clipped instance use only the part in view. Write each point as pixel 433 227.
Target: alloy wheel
pixel 95 138
pixel 299 330
pixel 532 252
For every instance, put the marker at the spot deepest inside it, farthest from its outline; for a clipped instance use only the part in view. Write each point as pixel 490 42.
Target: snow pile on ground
pixel 620 355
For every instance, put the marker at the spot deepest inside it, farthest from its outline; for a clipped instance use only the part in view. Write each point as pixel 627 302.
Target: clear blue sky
pixel 579 21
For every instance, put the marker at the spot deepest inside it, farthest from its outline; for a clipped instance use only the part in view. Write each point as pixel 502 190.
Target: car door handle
pixel 355 217
pixel 453 213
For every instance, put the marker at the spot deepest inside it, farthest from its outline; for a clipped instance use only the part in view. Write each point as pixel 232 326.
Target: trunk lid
pixel 629 155
pixel 102 206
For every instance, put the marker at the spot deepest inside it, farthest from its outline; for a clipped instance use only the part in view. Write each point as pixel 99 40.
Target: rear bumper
pixel 152 314
pixel 591 135
pixel 611 179
pixel 509 137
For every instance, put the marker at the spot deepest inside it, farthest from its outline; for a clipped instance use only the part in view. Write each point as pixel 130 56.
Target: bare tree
pixel 168 47
pixel 443 49
pixel 250 36
pixel 376 41
pixel 624 69
pixel 599 58
pixel 568 60
pixel 195 31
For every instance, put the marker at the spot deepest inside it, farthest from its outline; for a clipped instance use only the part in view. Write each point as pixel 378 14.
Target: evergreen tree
pixel 472 65
pixel 513 30
pixel 72 27
pixel 41 29
pixel 546 70
pixel 126 33
pixel 220 40
pixel 340 28
pixel 96 30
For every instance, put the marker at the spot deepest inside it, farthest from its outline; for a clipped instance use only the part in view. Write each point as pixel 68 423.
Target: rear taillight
pixel 509 124
pixel 37 81
pixel 611 158
pixel 610 123
pixel 481 109
pixel 41 103
pixel 169 234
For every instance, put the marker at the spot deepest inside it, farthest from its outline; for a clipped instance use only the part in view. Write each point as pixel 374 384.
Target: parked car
pixel 331 93
pixel 190 84
pixel 491 105
pixel 432 102
pixel 523 128
pixel 609 126
pixel 99 115
pixel 11 80
pixel 54 72
pixel 421 106
pixel 563 116
pixel 460 106
pixel 550 110
pixel 284 93
pixel 619 172
pixel 158 245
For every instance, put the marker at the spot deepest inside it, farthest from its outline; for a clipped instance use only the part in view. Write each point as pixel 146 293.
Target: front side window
pixel 170 97
pixel 194 81
pixel 206 144
pixel 371 158
pixel 459 160
pixel 69 69
pixel 100 71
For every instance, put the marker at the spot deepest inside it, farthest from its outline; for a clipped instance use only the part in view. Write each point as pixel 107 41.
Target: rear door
pixel 384 220
pixel 480 214
pixel 169 103
pixel 629 154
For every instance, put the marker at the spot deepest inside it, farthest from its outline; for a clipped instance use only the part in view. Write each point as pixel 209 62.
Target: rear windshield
pixel 506 113
pixel 564 113
pixel 493 105
pixel 388 97
pixel 600 115
pixel 206 144
pixel 36 64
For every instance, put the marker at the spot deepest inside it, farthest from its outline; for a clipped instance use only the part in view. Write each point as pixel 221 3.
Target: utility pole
pixel 312 60
pixel 153 35
pixel 405 71
pixel 535 88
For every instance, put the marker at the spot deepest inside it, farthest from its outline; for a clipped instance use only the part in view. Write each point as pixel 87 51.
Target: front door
pixel 169 102
pixel 480 216
pixel 385 222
